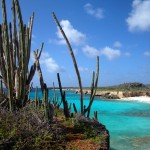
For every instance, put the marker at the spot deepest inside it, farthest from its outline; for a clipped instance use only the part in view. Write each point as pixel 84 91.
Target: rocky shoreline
pixel 115 94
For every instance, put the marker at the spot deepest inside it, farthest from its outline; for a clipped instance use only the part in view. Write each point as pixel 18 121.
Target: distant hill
pixel 133 86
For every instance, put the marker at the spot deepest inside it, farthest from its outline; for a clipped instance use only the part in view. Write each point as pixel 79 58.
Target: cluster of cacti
pixel 48 108
pixel 15 48
pixel 84 110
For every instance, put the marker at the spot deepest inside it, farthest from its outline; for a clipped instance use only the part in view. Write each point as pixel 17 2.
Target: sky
pixel 118 31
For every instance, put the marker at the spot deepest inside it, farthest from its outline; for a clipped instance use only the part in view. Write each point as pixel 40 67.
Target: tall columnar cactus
pixel 93 88
pixel 73 59
pixel 94 81
pixel 93 91
pixel 63 98
pixel 15 48
pixel 56 102
pixel 49 110
pixel 36 97
pixel 1 86
pixel 37 55
pixel 95 116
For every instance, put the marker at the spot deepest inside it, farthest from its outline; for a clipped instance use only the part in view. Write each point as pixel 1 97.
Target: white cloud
pixel 90 51
pixel 108 52
pixel 84 69
pixel 96 12
pixel 146 53
pixel 75 37
pixel 50 63
pixel 127 54
pixel 117 44
pixel 139 18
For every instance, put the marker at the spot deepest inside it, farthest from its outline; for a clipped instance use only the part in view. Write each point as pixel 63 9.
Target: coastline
pixel 139 96
pixel 144 99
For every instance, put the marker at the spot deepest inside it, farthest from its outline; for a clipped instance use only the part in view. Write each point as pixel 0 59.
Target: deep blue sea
pixel 127 122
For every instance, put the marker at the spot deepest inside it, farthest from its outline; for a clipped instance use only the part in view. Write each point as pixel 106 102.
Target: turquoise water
pixel 127 122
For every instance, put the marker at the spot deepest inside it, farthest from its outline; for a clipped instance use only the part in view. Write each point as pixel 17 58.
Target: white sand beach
pixel 144 99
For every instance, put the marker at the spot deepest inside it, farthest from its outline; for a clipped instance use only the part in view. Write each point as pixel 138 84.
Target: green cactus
pixel 63 97
pixel 37 55
pixel 1 86
pixel 48 108
pixel 73 59
pixel 15 48
pixel 36 97
pixel 39 102
pixel 94 82
pixel 74 107
pixel 6 51
pixel 93 88
pixel 45 100
pixel 95 115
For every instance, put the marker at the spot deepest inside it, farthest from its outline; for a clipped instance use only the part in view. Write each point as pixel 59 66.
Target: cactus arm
pixel 74 60
pixel 31 74
pixel 59 83
pixel 92 85
pixel 63 97
pixel 2 61
pixel 22 48
pixel 11 54
pixel 6 51
pixel 97 76
pixel 39 70
pixel 95 116
pixel 94 88
pixel 39 54
pixel 74 107
pixel 14 33
pixel 30 26
pixel 1 86
pixel 27 50
pixel 36 97
pixel 21 31
pixel 17 84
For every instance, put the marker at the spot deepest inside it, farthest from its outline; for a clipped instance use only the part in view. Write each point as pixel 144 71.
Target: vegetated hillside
pixel 134 86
